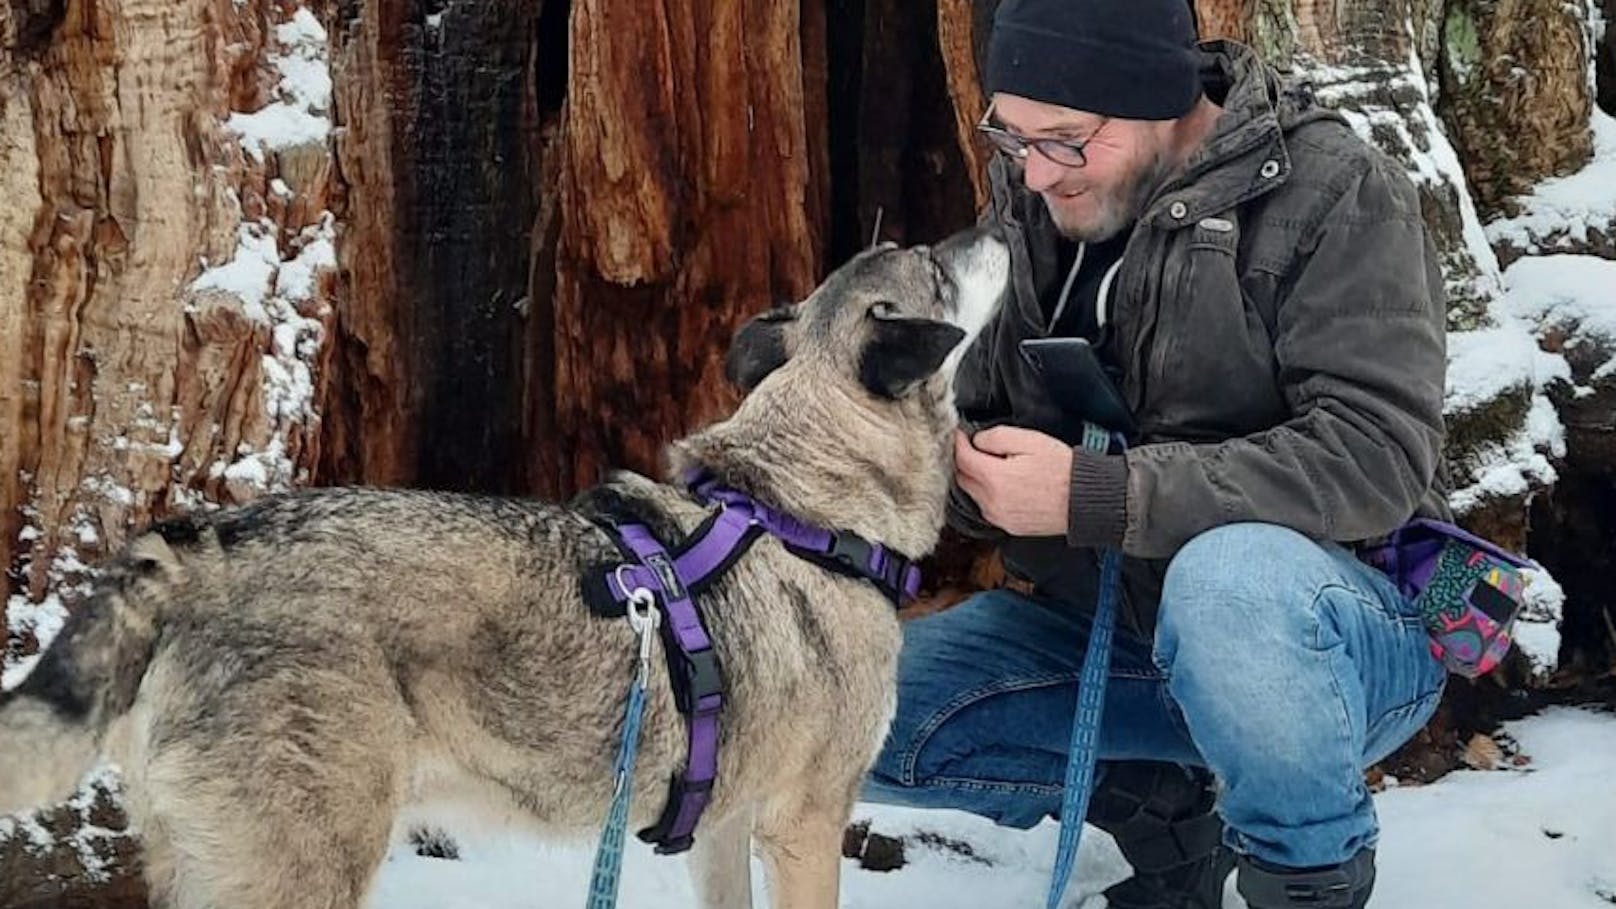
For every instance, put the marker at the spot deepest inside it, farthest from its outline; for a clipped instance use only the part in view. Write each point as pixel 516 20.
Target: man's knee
pixel 1235 588
pixel 1238 570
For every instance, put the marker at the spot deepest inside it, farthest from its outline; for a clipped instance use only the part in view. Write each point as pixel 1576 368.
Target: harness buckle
pixel 852 552
pixel 701 681
pixel 859 557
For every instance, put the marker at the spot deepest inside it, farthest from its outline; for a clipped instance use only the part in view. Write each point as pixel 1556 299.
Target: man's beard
pixel 1121 207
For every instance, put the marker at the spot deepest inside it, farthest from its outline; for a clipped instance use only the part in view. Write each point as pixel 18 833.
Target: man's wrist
pixel 1097 505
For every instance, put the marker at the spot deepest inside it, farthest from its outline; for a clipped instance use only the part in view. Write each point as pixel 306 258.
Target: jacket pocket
pixel 1212 371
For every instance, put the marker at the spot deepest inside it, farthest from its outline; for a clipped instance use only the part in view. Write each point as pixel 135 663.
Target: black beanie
pixel 1133 59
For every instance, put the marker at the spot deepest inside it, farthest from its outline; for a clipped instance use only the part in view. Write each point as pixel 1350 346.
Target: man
pixel 1261 285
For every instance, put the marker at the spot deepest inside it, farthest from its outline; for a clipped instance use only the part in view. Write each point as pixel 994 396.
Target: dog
pixel 280 681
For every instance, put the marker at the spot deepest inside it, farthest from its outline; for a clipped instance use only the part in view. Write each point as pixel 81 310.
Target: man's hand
pixel 1020 479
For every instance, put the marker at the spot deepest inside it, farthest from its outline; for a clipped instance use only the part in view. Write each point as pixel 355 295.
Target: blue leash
pixel 603 883
pixel 1084 748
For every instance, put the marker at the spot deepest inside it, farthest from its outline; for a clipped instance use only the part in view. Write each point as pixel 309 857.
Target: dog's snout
pixel 978 262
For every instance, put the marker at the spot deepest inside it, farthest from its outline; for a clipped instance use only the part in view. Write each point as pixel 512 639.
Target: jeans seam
pixel 954 705
pixel 923 734
pixel 954 782
pixel 1344 717
pixel 1408 707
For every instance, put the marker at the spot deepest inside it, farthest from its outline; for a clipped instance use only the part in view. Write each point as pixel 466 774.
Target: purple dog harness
pixel 675 578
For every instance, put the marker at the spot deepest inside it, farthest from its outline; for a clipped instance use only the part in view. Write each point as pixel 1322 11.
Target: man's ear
pixel 904 352
pixel 760 347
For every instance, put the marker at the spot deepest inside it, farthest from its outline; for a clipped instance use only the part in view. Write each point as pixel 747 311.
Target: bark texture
pixel 134 382
pixel 1515 68
pixel 689 196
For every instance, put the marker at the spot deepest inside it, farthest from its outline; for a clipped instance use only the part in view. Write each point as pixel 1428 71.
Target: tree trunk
pixel 1515 68
pixel 428 357
pixel 74 856
pixel 688 197
pixel 1605 59
pixel 134 384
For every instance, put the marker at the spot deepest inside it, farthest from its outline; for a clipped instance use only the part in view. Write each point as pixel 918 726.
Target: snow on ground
pixel 1536 837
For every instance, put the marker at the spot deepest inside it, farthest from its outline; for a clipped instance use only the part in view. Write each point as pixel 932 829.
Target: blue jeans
pixel 1282 665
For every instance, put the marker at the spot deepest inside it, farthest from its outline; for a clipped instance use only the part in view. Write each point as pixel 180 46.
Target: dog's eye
pixel 884 309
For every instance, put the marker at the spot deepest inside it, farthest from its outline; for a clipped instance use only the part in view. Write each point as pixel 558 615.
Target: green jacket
pixel 1279 317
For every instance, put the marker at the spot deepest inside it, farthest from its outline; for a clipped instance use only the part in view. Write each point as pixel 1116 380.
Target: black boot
pixel 1343 886
pixel 1162 819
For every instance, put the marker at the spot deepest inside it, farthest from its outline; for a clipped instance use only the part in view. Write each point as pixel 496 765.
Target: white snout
pixel 981 272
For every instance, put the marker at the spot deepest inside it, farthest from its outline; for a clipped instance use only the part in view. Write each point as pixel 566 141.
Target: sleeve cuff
pixel 1097 511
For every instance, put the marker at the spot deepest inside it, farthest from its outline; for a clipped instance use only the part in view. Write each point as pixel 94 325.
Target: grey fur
pixel 280 682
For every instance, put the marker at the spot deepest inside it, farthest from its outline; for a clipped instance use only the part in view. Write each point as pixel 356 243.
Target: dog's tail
pixel 52 725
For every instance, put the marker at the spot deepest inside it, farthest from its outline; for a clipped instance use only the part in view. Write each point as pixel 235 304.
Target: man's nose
pixel 1040 173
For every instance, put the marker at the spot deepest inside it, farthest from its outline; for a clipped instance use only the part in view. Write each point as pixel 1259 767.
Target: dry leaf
pixel 1482 753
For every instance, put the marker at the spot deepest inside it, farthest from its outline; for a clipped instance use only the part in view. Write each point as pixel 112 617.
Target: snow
pixel 1515 465
pixel 1548 824
pixel 1540 641
pixel 1570 293
pixel 276 292
pixel 295 280
pixel 1358 93
pixel 44 619
pixel 89 839
pixel 247 276
pixel 1550 821
pixel 1487 363
pixel 1484 365
pixel 1564 208
pixel 277 125
pixel 1537 631
pixel 301 113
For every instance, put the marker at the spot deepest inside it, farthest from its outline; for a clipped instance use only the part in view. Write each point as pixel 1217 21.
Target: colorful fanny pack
pixel 1469 591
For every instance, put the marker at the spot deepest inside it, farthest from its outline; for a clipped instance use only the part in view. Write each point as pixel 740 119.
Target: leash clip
pixel 643 617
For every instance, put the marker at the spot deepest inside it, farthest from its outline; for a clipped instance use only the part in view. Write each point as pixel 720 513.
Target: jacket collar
pixel 1245 155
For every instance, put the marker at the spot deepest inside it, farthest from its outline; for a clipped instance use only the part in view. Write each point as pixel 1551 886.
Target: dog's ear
pixel 760 347
pixel 904 352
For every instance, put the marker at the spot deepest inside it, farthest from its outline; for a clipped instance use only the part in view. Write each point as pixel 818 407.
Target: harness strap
pixel 724 538
pixel 838 550
pixel 698 690
pixel 675 579
pixel 708 553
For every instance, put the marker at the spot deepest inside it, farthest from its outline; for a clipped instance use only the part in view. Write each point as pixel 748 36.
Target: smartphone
pixel 1077 382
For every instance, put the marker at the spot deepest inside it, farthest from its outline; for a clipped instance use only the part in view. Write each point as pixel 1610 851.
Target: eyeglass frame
pixel 1019 145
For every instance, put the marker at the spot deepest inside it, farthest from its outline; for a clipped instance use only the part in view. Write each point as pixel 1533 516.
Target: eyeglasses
pixel 1065 152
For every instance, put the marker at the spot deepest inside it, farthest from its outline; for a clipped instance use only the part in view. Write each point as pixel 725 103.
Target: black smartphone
pixel 1077 382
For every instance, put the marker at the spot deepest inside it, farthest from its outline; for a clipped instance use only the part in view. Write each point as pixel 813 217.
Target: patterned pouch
pixel 1468 591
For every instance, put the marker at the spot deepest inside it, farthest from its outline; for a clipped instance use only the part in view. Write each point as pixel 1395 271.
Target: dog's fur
pixel 279 681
